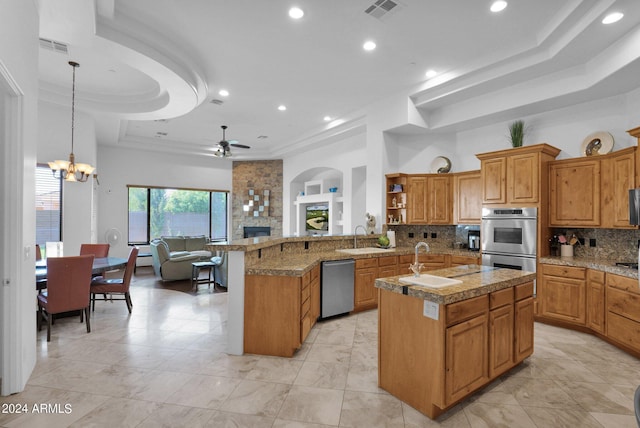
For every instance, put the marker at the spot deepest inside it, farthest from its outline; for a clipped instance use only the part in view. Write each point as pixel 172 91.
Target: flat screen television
pixel 317 219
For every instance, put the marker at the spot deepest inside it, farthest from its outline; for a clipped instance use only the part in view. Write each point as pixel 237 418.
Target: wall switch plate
pixel 431 310
pixel 592 242
pixel 410 234
pixel 434 235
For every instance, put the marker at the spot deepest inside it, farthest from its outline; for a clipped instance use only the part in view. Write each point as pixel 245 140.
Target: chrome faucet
pixel 355 235
pixel 416 267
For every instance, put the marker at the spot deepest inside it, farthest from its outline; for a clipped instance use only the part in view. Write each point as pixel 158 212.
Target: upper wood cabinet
pixel 592 191
pixel 516 177
pixel 429 199
pixel 618 176
pixel 575 192
pixel 467 198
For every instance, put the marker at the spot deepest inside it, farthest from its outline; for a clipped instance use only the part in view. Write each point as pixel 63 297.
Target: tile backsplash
pixel 610 244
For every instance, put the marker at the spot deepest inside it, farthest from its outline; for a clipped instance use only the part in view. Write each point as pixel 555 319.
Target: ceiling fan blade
pixel 240 146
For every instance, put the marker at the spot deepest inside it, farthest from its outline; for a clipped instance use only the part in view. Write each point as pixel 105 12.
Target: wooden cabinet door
pixel 365 293
pixel 563 299
pixel 417 200
pixel 466 357
pixel 494 177
pixel 523 334
pixel 464 260
pixel 523 178
pixel 439 200
pixel 467 197
pixel 315 296
pixel 618 176
pixel 595 301
pixel 575 193
pixel 501 344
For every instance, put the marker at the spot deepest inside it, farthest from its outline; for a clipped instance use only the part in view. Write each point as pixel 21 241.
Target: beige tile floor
pixel 165 365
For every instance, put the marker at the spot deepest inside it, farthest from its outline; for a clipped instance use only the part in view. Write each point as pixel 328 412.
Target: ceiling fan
pixel 224 147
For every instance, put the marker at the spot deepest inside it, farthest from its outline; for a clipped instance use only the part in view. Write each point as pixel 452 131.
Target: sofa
pixel 172 255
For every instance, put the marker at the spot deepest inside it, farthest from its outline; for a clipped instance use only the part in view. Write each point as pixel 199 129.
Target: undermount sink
pixel 431 281
pixel 365 250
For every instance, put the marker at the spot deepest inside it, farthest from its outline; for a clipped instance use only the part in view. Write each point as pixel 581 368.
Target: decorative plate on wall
pixel 598 143
pixel 440 165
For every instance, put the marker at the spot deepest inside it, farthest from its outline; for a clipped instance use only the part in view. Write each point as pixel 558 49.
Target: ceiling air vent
pixel 381 8
pixel 52 45
pixel 217 102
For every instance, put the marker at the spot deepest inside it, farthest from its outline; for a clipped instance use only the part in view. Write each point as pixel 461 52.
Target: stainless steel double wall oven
pixel 509 237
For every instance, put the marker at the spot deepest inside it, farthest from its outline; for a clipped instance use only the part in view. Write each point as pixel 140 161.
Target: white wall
pixel 565 129
pixel 19 92
pixel 342 155
pixel 54 142
pixel 120 167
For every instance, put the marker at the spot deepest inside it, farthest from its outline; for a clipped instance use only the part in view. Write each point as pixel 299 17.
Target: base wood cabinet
pixel 366 272
pixel 611 308
pixel 279 332
pixel 562 293
pixel 623 311
pixel 432 364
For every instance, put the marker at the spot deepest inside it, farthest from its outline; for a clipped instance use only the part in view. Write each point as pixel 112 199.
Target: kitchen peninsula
pixel 274 284
pixel 436 346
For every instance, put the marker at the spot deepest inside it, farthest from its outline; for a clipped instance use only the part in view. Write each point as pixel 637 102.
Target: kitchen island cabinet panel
pixel 433 355
pixel 466 358
pixel 524 317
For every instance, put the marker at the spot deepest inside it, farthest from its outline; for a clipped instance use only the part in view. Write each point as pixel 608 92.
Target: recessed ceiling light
pixel 282 107
pixel 327 118
pixel 369 45
pixel 612 17
pixel 431 73
pixel 296 13
pixel 498 6
pixel 223 93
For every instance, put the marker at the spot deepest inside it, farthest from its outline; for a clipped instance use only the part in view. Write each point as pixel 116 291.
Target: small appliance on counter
pixel 473 239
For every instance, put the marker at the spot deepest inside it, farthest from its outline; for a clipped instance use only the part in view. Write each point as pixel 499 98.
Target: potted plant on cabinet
pixel 516 133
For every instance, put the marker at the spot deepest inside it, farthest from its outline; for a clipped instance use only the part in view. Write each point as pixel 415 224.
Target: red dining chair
pixel 103 286
pixel 98 250
pixel 68 282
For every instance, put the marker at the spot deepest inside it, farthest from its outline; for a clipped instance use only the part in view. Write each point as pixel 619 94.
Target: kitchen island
pixel 436 346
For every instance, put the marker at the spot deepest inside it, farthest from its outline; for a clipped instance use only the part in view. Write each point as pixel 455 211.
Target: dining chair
pixel 118 286
pixel 98 250
pixel 68 282
pixel 38 252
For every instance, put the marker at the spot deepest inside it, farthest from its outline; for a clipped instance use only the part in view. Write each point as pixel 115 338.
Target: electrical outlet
pixel 592 242
pixel 410 234
pixel 581 241
pixel 425 235
pixel 434 235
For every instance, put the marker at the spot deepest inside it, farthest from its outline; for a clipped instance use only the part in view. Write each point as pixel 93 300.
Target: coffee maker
pixel 473 240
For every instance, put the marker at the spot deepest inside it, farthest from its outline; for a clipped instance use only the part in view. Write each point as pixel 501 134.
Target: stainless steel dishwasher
pixel 336 293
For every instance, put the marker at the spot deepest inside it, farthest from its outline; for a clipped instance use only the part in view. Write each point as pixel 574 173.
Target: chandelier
pixel 70 170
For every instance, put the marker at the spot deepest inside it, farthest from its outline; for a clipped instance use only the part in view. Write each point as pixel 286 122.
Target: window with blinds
pixel 48 206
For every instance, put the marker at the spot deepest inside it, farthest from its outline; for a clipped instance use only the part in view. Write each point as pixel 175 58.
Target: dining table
pixel 100 265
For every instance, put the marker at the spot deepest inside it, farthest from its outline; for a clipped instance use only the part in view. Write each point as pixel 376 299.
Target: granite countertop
pixel 476 281
pixel 604 265
pixel 300 263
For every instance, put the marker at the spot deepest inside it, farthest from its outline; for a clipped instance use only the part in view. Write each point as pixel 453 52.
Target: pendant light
pixel 70 170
